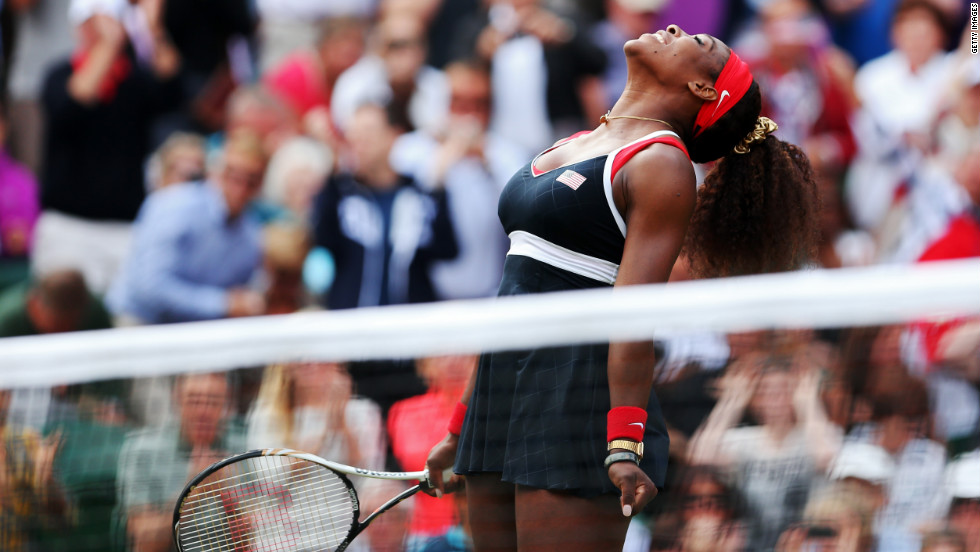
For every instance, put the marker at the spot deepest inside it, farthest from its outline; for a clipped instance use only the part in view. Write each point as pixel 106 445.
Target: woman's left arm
pixel 656 193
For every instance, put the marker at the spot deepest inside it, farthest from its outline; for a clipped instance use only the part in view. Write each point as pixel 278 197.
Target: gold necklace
pixel 607 117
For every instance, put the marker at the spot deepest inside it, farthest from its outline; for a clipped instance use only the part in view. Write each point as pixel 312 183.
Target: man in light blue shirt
pixel 195 247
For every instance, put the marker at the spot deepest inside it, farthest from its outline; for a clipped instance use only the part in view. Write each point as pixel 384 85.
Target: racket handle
pixel 447 474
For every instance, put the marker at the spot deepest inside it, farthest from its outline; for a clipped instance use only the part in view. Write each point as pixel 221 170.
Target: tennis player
pixel 560 446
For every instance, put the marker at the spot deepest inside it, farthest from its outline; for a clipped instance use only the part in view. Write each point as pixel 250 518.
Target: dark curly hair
pixel 756 212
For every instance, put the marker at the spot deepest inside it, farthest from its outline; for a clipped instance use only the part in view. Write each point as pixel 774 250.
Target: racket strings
pixel 255 508
pixel 268 504
pixel 260 525
pixel 208 491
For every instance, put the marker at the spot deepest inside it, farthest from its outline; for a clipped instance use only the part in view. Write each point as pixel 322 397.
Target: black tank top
pixel 566 217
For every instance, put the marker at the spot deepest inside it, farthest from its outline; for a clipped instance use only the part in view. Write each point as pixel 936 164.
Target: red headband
pixel 733 82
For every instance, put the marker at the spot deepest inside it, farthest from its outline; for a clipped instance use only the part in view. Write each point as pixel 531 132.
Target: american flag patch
pixel 571 179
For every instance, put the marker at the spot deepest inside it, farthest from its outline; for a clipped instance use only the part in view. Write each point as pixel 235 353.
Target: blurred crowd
pixel 169 161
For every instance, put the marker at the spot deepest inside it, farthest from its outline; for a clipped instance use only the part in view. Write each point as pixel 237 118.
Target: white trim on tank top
pixel 528 245
pixel 607 175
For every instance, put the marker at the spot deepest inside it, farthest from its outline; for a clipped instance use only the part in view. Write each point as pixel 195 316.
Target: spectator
pixel 156 463
pixel 961 236
pixel 296 174
pixel 415 425
pixel 866 467
pixel 774 463
pixel 305 79
pixel 943 541
pixel 179 159
pixel 472 164
pixel 900 95
pixel 57 302
pixel 291 25
pixel 18 214
pixel 901 91
pixel 384 234
pixel 710 512
pixel 89 425
pixel 389 532
pixel 963 483
pixel 311 406
pixel 841 244
pixel 959 125
pixel 933 219
pixel 383 231
pixel 256 110
pixel 195 247
pixel 212 40
pixel 285 249
pixel 43 37
pixel 545 71
pixel 900 425
pixel 30 498
pixel 99 107
pixel 440 18
pixel 838 518
pixel 810 82
pixel 394 74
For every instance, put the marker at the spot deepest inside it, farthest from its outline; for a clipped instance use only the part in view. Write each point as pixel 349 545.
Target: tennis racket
pixel 276 500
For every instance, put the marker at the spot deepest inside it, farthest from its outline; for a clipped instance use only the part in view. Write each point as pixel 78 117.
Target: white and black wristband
pixel 625 456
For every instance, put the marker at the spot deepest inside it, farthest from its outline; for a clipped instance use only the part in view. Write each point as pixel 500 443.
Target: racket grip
pixel 447 474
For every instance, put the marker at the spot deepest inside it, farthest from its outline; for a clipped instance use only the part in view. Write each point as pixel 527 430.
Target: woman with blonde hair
pixel 311 406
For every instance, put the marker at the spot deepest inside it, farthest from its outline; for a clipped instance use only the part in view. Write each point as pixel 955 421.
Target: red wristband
pixel 626 422
pixel 456 421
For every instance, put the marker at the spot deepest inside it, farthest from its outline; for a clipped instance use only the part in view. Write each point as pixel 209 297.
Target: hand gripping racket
pixel 276 500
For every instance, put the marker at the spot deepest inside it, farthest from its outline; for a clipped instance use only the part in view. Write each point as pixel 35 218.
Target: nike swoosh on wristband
pixel 636 423
pixel 724 94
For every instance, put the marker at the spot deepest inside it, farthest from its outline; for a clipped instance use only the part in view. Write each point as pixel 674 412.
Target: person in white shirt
pixel 775 463
pixel 394 74
pixel 901 95
pixel 472 164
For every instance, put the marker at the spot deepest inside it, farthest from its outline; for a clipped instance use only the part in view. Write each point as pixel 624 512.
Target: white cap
pixel 963 476
pixel 81 10
pixel 643 6
pixel 862 461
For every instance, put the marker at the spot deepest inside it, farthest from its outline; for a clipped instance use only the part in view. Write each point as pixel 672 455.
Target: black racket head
pixel 263 502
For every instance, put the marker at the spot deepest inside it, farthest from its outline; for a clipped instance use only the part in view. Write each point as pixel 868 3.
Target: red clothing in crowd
pixel 961 241
pixel 415 425
pixel 299 82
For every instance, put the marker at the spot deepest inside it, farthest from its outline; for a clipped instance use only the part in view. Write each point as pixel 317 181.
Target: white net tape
pixel 813 299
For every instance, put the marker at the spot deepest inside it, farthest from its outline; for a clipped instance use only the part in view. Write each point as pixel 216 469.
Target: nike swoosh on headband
pixel 734 81
pixel 721 99
pixel 637 423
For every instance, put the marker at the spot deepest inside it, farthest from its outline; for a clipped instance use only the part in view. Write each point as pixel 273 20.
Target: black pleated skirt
pixel 539 417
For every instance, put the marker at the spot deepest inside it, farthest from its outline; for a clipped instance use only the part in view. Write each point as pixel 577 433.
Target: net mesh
pixel 102 430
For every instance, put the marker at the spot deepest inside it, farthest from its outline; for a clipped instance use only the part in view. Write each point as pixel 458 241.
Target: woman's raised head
pixel 719 99
pixel 757 209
